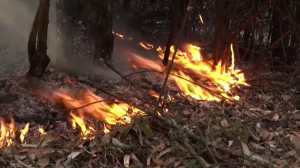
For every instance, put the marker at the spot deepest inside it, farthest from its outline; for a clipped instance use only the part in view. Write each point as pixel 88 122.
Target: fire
pixel 106 130
pixel 191 61
pixel 85 132
pixel 87 103
pixel 8 133
pixel 41 130
pixel 147 46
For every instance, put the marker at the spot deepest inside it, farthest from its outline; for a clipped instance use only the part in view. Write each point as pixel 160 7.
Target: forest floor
pixel 259 130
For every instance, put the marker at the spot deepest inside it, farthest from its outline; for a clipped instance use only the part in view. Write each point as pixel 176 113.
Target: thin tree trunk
pixel 173 28
pixel 37 43
pixel 101 28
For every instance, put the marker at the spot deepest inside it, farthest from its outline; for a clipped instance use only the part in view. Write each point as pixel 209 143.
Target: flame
pixel 41 130
pixel 201 20
pixel 87 103
pixel 85 132
pixel 191 61
pixel 8 133
pixel 24 132
pixel 105 129
pixel 147 46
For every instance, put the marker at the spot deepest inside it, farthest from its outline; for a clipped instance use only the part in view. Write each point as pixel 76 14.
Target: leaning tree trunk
pixel 37 43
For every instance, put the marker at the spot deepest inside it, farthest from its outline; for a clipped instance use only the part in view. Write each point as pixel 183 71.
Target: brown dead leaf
pixel 176 164
pixel 149 160
pixel 296 116
pixel 47 138
pixel 136 160
pixel 169 161
pixel 275 117
pixel 256 146
pixel 157 161
pixel 163 152
pixel 43 162
pixel 40 152
pixel 224 123
pixel 295 141
pixel 58 163
pixel 158 148
pixel 230 143
pixel 117 143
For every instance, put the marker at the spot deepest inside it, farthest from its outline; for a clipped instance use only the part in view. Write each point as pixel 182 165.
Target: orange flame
pixel 85 132
pixel 191 61
pixel 24 132
pixel 147 46
pixel 41 130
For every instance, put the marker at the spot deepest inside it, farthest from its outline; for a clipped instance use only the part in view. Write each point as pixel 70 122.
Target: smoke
pixel 16 18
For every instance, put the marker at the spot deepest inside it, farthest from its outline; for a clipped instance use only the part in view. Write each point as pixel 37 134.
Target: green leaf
pixel 145 128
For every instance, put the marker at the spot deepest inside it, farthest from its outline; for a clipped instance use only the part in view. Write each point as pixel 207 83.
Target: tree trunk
pixel 101 29
pixel 173 28
pixel 37 43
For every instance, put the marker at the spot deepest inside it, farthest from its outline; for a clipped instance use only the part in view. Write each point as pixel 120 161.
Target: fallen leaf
pixel 136 160
pixel 295 141
pixel 126 160
pixel 169 161
pixel 40 152
pixel 43 162
pixel 163 152
pixel 230 143
pixel 73 155
pixel 22 163
pixel 118 143
pixel 246 150
pixel 176 164
pixel 224 123
pixel 105 139
pixel 46 140
pixel 157 161
pixel 256 146
pixel 296 116
pixel 149 160
pixel 275 117
pixel 58 163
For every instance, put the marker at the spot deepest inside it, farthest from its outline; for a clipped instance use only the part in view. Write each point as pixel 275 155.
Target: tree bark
pixel 37 43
